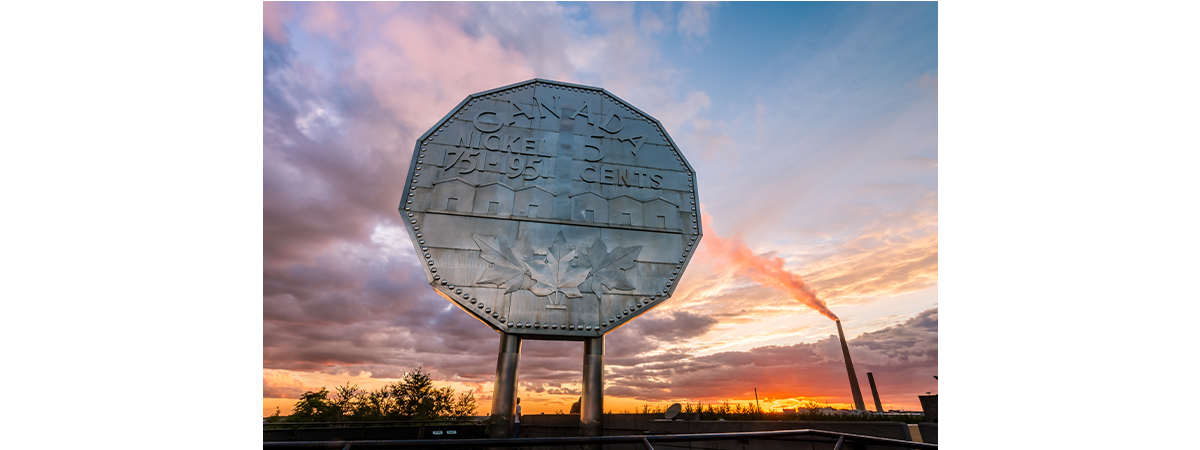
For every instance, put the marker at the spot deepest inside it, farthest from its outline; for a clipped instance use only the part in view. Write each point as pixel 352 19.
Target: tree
pixel 373 405
pixel 413 397
pixel 464 407
pixel 345 401
pixel 313 407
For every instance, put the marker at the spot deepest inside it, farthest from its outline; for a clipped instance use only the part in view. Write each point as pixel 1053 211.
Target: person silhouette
pixel 517 420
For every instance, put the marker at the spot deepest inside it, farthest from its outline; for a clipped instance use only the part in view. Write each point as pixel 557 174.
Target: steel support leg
pixel 592 407
pixel 504 392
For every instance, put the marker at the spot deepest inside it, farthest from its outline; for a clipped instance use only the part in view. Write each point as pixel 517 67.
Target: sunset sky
pixel 1050 194
pixel 813 128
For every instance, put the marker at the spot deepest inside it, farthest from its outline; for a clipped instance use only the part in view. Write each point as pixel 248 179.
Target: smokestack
pixel 858 400
pixel 874 392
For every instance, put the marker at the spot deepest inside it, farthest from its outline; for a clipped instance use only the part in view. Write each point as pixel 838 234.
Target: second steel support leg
pixel 592 406
pixel 504 392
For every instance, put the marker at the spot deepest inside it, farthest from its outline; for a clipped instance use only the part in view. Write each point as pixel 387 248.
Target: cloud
pixel 902 358
pixel 538 31
pixel 681 325
pixel 325 18
pixel 694 19
pixel 274 15
pixel 893 253
pixel 440 64
pixel 279 384
pixel 711 142
pixel 651 23
pixel 341 291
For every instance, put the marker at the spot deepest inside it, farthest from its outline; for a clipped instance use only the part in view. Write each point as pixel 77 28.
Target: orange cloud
pixel 898 254
pixel 280 384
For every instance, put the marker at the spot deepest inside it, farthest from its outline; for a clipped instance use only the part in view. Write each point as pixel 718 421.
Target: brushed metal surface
pixel 551 210
pixel 591 406
pixel 504 395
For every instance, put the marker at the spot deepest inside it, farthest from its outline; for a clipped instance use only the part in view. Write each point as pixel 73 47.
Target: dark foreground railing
pixel 647 441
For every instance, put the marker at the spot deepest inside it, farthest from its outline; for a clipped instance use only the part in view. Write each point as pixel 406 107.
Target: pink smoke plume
pixel 764 271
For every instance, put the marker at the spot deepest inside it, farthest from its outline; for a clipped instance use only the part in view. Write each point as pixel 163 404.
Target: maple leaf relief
pixel 608 269
pixel 506 268
pixel 557 273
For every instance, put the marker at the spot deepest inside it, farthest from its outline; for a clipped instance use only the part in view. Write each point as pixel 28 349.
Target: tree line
pixel 414 397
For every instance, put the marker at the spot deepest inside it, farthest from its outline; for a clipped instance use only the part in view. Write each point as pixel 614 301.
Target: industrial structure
pixel 854 389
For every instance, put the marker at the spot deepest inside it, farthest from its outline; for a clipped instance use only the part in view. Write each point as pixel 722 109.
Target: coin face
pixel 551 210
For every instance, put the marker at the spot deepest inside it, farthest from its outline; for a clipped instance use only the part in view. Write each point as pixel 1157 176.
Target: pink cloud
pixel 427 65
pixel 324 18
pixel 274 14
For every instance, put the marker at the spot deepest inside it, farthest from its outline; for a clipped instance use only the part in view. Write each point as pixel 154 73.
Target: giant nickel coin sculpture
pixel 551 210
